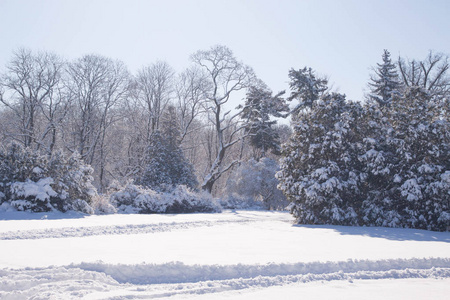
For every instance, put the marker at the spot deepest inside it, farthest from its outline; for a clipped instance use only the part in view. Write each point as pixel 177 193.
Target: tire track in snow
pixel 68 232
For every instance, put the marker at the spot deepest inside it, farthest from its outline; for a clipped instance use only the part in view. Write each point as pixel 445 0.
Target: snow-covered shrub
pixel 236 201
pixel 73 181
pixel 252 182
pixel 34 196
pixel 29 181
pixel 136 199
pixel 101 205
pixel 18 164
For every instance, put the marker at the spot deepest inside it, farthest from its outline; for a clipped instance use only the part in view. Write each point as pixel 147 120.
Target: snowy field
pixel 231 255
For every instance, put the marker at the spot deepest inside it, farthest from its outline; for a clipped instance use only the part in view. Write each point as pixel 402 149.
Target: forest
pixel 88 135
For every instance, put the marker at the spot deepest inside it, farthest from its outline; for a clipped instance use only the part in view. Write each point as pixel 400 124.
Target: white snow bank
pixel 52 283
pixel 178 272
pixel 72 282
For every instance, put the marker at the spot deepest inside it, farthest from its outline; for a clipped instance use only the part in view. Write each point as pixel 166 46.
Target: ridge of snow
pixel 178 272
pixel 78 281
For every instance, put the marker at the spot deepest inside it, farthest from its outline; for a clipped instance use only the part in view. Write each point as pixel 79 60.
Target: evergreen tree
pixel 385 83
pixel 346 164
pixel 166 166
pixel 73 181
pixel 305 87
pixel 20 165
pixel 259 107
pixel 378 163
pixel 319 171
pixel 421 138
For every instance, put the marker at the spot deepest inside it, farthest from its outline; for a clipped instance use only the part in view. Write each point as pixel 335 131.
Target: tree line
pixel 380 161
pixel 122 124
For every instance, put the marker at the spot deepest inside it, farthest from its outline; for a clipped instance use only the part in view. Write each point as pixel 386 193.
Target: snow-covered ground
pixel 232 255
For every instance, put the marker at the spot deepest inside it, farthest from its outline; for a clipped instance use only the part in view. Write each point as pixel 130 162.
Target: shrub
pixel 136 199
pixel 33 182
pixel 254 184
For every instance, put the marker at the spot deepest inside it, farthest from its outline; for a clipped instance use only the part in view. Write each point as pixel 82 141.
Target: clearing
pixel 234 254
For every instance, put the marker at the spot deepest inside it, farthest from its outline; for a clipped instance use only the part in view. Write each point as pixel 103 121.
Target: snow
pixel 41 189
pixel 234 254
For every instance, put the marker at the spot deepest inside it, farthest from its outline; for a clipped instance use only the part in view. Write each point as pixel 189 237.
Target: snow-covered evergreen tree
pixel 373 165
pixel 422 142
pixel 305 87
pixel 166 166
pixel 377 162
pixel 73 181
pixel 319 172
pixel 259 107
pixel 384 84
pixel 24 181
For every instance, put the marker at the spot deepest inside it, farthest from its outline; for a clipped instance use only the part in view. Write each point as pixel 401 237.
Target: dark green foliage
pixel 319 169
pixel 166 165
pixel 385 83
pixel 259 107
pixel 306 87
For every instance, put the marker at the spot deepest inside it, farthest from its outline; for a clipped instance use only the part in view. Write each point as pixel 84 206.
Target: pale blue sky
pixel 341 39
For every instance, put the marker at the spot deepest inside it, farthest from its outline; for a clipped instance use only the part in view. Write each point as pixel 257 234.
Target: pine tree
pixel 421 138
pixel 319 171
pixel 166 166
pixel 306 87
pixel 378 163
pixel 385 83
pixel 259 107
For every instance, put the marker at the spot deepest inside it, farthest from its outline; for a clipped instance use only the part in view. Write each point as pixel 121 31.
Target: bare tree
pixel 151 91
pixel 154 89
pixel 97 85
pixel 191 92
pixel 430 74
pixel 32 89
pixel 131 135
pixel 226 75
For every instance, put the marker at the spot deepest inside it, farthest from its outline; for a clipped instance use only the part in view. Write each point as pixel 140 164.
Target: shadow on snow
pixel 22 215
pixel 397 234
